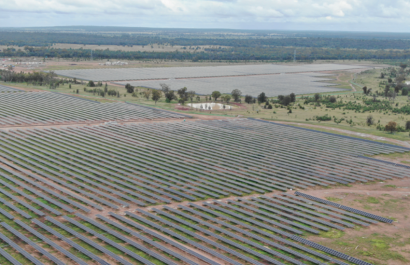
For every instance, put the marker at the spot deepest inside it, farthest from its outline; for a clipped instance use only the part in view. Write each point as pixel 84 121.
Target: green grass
pixel 332 233
pixel 390 186
pixel 333 199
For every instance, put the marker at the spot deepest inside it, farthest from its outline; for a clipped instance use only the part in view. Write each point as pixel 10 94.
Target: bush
pixel 248 99
pixel 332 99
pixel 391 127
pixel 262 98
pixel 286 100
pixel 405 92
pixel 325 117
pixel 369 120
pixel 317 97
pixel 407 125
pixel 129 88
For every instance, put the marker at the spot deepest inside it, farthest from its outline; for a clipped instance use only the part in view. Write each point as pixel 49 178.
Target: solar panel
pixel 379 218
pixel 71 243
pixel 32 244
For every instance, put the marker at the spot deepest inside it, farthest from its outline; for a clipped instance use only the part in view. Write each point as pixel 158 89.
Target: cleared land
pixel 271 85
pixel 195 72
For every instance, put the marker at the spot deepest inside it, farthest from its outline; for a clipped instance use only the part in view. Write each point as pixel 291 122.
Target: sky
pixel 348 15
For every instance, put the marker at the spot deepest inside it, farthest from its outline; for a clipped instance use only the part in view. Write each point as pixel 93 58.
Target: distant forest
pixel 228 54
pixel 47 39
pixel 231 48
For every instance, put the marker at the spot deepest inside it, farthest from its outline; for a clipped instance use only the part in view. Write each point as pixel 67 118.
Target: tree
pixel 248 99
pixel 156 95
pixel 91 84
pixel 405 91
pixel 262 98
pixel 382 75
pixel 386 90
pixel 182 101
pixel 165 88
pixel 292 97
pixel 407 125
pixel 369 120
pixel 183 94
pixel 191 95
pixel 226 98
pixel 286 101
pixel 365 90
pixel 280 97
pixel 198 98
pixel 236 94
pixel 317 96
pixel 216 95
pixel 147 93
pixel 129 88
pixel 170 95
pixel 332 99
pixel 391 127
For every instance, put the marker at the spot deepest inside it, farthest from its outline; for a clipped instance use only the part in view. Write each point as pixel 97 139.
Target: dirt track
pixel 372 137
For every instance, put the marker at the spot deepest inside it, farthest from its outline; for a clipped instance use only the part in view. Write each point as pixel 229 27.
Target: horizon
pixel 323 15
pixel 200 28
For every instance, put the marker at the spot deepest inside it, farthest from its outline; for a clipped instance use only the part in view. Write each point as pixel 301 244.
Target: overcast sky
pixel 348 15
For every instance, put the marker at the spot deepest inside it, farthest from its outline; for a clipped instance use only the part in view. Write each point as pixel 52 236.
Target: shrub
pixel 407 125
pixel 325 117
pixel 129 88
pixel 286 100
pixel 405 92
pixel 332 99
pixel 391 127
pixel 369 120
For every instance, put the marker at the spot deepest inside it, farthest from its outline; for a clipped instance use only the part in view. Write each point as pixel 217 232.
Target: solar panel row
pixel 382 219
pixel 39 108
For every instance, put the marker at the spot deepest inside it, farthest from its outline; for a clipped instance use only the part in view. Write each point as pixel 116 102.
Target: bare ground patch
pixel 380 243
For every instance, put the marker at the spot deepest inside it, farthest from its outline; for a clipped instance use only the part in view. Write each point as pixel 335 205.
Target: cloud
pixel 373 15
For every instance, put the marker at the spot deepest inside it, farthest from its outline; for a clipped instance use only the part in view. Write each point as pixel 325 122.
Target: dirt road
pixel 372 137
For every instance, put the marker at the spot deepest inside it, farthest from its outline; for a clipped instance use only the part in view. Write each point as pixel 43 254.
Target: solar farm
pixel 250 79
pixel 172 191
pixel 116 74
pixel 272 85
pixel 8 89
pixel 40 108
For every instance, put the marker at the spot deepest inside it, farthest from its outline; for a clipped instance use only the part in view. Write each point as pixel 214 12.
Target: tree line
pixel 47 39
pixel 225 54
